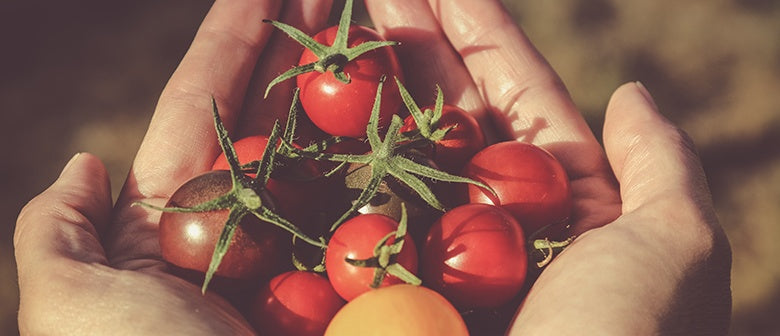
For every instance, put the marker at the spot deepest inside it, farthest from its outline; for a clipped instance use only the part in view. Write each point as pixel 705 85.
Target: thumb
pixel 61 222
pixel 659 171
pixel 652 159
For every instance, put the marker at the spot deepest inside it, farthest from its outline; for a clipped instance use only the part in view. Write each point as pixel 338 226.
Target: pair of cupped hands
pixel 650 256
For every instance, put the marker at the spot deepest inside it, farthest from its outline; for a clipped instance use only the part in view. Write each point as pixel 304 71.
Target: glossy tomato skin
pixel 356 239
pixel 530 182
pixel 306 132
pixel 461 143
pixel 247 149
pixel 187 240
pixel 475 256
pixel 398 310
pixel 295 303
pixel 251 148
pixel 344 109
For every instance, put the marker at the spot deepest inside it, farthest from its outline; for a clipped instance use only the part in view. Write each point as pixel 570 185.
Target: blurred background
pixel 85 75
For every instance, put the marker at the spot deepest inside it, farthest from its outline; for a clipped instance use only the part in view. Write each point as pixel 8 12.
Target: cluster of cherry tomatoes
pixel 366 211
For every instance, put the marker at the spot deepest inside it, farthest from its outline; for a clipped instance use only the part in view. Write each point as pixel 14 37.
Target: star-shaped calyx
pixel 384 259
pixel 245 197
pixel 387 158
pixel 331 58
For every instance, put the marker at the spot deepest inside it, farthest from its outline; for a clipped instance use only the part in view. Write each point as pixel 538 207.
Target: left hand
pixel 86 267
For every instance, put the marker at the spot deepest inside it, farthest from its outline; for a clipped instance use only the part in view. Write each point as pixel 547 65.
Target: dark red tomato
pixel 306 132
pixel 461 143
pixel 356 239
pixel 344 109
pixel 295 303
pixel 187 240
pixel 531 184
pixel 475 256
pixel 294 185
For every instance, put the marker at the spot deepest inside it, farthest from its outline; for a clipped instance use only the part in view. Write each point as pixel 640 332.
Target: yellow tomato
pixel 398 310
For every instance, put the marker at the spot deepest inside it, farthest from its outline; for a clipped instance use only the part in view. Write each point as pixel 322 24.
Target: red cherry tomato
pixel 344 109
pixel 530 183
pixel 475 256
pixel 356 239
pixel 306 132
pixel 461 143
pixel 251 148
pixel 294 186
pixel 295 303
pixel 187 240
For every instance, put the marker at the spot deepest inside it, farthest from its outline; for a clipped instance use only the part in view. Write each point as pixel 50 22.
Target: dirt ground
pixel 86 77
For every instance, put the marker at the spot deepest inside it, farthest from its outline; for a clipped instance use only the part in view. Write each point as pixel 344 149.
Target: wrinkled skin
pixel 641 205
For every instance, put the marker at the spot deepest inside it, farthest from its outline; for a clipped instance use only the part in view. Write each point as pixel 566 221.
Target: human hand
pixel 87 268
pixel 501 79
pixel 650 257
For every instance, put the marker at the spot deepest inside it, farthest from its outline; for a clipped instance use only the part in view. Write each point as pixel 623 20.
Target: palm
pixel 169 155
pixel 485 65
pixel 157 170
pixel 634 245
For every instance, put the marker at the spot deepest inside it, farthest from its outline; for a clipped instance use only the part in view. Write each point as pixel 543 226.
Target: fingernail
pixel 70 163
pixel 646 94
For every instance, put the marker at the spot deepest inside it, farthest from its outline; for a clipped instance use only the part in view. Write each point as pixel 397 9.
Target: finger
pixel 516 82
pixel 666 242
pixel 662 181
pixel 181 140
pixel 63 221
pixel 281 54
pixel 651 157
pixel 64 279
pixel 527 99
pixel 57 233
pixel 426 55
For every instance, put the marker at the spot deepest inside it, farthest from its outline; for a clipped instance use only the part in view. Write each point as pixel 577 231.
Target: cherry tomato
pixel 475 256
pixel 461 143
pixel 530 183
pixel 251 148
pixel 295 303
pixel 344 109
pixel 187 240
pixel 306 132
pixel 356 239
pixel 247 150
pixel 294 185
pixel 398 310
pixel 391 194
